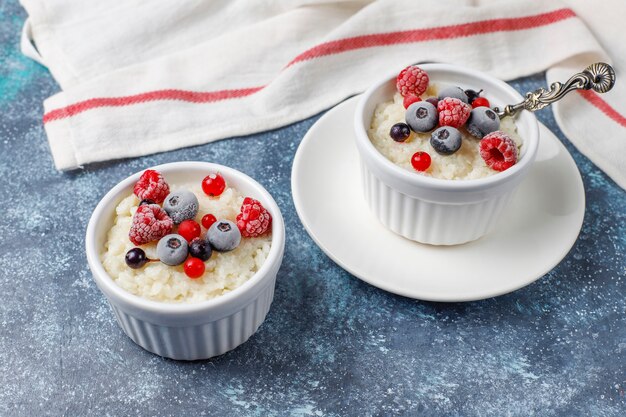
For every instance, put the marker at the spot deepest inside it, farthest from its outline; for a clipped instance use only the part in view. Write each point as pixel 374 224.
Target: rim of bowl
pixel 103 278
pixel 422 181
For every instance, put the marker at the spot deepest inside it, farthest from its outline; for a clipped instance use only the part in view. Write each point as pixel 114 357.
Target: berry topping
pixel 498 150
pixel 453 112
pixel 400 132
pixel 172 249
pixel 446 140
pixel 200 248
pixel 254 220
pixel 150 223
pixel 472 95
pixel 181 205
pixel 208 220
pixel 136 258
pixel 482 121
pixel 453 92
pixel 152 186
pixel 412 81
pixel 422 116
pixel 146 201
pixel 420 161
pixel 480 102
pixel 194 268
pixel 224 235
pixel 433 100
pixel 410 99
pixel 213 185
pixel 189 229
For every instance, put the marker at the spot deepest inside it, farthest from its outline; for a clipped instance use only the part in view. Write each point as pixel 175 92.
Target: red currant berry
pixel 194 268
pixel 213 185
pixel 189 229
pixel 480 102
pixel 410 99
pixel 208 220
pixel 420 161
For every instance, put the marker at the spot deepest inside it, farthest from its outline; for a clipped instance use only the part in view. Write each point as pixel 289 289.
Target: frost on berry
pixel 151 186
pixel 253 220
pixel 150 223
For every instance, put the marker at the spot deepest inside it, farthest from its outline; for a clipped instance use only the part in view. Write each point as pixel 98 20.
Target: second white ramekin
pixel 432 210
pixel 189 331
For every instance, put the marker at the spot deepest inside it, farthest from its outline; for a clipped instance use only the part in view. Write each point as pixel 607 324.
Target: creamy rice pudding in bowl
pixel 438 165
pixel 187 254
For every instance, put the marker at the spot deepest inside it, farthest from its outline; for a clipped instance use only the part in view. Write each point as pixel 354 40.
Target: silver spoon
pixel 599 77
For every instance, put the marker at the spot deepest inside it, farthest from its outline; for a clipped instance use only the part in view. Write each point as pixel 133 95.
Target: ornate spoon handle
pixel 599 76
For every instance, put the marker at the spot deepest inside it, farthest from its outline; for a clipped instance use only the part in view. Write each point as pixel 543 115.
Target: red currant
pixel 410 99
pixel 213 185
pixel 420 161
pixel 194 268
pixel 189 229
pixel 480 102
pixel 208 220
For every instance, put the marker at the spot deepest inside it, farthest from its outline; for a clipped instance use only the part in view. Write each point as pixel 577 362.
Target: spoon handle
pixel 599 76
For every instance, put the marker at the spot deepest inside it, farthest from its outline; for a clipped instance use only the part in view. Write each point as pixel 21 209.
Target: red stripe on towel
pixel 328 48
pixel 603 106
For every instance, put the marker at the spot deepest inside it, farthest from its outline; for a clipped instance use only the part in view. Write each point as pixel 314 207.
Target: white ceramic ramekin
pixel 189 331
pixel 433 210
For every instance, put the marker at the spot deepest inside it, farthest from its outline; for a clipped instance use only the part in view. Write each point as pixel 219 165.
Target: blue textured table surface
pixel 331 345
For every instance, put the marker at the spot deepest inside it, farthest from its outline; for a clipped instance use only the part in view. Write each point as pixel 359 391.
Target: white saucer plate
pixel 536 233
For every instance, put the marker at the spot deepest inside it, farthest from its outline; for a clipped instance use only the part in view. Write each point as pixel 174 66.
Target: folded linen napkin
pixel 144 77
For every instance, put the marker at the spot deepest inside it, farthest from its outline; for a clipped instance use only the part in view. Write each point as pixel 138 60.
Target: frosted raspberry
pixel 151 186
pixel 254 220
pixel 412 81
pixel 453 112
pixel 498 150
pixel 150 223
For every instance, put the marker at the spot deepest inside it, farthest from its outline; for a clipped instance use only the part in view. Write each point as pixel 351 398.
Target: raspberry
pixel 498 150
pixel 453 112
pixel 254 220
pixel 150 223
pixel 151 186
pixel 412 80
pixel 410 99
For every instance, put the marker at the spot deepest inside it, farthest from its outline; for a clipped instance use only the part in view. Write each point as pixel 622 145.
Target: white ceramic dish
pixel 432 210
pixel 189 331
pixel 533 236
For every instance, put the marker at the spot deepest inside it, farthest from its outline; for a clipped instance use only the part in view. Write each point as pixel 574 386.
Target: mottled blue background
pixel 331 346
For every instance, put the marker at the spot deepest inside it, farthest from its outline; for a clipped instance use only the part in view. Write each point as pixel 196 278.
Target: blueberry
pixel 422 116
pixel 172 249
pixel 224 235
pixel 454 92
pixel 446 140
pixel 146 201
pixel 136 258
pixel 472 95
pixel 200 248
pixel 400 132
pixel 433 100
pixel 181 205
pixel 482 121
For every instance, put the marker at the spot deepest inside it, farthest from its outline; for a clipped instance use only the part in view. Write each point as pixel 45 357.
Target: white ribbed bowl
pixel 189 331
pixel 432 210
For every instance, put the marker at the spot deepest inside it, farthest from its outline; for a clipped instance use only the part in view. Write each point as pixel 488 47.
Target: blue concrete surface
pixel 331 345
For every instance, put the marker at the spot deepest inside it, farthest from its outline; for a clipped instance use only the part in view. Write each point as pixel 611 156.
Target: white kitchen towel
pixel 142 77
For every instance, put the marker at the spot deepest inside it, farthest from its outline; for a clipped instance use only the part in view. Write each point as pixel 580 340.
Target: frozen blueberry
pixel 200 248
pixel 400 132
pixel 482 121
pixel 422 116
pixel 454 92
pixel 172 249
pixel 181 205
pixel 224 235
pixel 446 140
